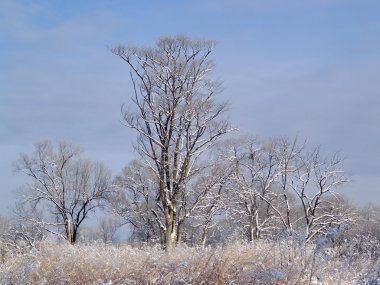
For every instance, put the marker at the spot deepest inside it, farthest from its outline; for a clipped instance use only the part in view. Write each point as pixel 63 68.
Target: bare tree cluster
pixel 281 185
pixel 187 185
pixel 178 190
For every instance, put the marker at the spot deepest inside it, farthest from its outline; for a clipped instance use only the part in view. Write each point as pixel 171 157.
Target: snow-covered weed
pixel 261 262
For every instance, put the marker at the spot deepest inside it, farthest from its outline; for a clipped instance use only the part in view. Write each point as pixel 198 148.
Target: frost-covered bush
pixel 286 261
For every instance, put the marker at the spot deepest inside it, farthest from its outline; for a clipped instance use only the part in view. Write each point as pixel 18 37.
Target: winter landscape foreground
pixel 203 204
pixel 286 261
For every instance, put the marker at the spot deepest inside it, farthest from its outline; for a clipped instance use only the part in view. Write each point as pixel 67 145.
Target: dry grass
pixel 239 263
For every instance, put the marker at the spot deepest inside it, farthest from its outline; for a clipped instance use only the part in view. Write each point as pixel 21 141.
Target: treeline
pixel 246 189
pixel 196 181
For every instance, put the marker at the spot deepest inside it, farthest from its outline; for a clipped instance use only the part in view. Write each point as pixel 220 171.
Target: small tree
pixel 20 237
pixel 311 180
pixel 107 229
pixel 208 199
pixel 63 188
pixel 136 202
pixel 314 180
pixel 177 117
pixel 255 194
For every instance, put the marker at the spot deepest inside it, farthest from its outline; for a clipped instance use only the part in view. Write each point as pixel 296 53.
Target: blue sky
pixel 307 68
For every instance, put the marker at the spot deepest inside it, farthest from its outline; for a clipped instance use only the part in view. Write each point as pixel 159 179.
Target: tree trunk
pixel 251 230
pixel 254 232
pixel 179 232
pixel 256 228
pixel 204 237
pixel 170 233
pixel 68 231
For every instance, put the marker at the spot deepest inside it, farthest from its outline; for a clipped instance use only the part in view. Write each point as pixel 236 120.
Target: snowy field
pixel 261 262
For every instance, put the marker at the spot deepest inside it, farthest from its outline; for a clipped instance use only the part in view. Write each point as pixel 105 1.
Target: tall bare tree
pixel 63 188
pixel 177 116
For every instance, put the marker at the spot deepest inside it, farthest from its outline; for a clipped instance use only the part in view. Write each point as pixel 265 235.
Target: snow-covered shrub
pixel 285 261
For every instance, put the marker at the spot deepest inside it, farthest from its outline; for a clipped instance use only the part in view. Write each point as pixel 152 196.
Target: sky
pixel 290 68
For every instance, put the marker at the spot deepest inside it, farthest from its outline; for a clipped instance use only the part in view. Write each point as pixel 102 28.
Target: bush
pixel 261 262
